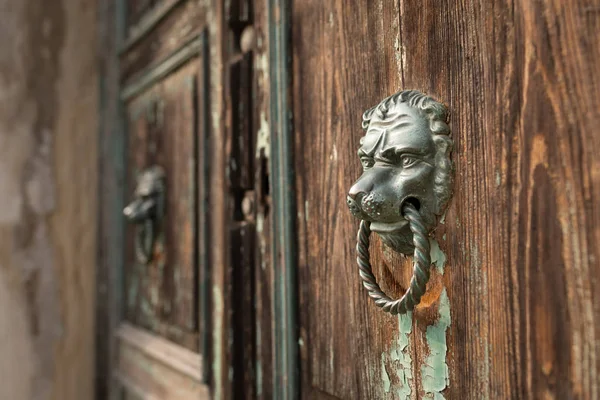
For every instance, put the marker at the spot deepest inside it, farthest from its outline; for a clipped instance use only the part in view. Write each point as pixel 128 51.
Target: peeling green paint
pixel 263 138
pixel 384 374
pixel 437 256
pixel 434 373
pixel 398 361
pixel 260 221
pixel 259 379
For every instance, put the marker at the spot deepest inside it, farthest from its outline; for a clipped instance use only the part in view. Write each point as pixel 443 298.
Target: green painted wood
pixel 286 371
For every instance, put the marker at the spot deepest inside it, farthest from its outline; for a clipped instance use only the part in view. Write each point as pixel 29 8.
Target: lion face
pixel 399 157
pixel 148 196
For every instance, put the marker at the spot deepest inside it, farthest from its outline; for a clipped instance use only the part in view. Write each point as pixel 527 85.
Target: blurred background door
pixel 158 316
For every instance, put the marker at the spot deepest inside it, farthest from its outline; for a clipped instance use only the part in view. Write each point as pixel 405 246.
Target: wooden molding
pixel 175 357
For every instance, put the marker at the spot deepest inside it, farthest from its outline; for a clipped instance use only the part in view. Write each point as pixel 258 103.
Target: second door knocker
pixel 147 211
pixel 405 186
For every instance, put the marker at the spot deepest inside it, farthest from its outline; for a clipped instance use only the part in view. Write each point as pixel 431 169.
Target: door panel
pixel 162 339
pixel 163 120
pixel 511 313
pixel 164 29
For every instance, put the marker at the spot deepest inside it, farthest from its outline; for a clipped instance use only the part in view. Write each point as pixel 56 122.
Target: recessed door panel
pixel 162 296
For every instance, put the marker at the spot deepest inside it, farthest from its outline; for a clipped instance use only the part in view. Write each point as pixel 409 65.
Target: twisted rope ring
pixel 421 266
pixel 144 241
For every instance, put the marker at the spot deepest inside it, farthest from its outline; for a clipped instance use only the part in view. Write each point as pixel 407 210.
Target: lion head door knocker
pixel 147 211
pixel 405 186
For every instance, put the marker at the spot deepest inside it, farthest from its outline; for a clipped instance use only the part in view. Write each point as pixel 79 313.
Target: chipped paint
pixel 262 62
pixel 262 241
pixel 385 378
pixel 263 138
pixel 435 375
pixel 399 48
pixel 334 155
pixel 259 350
pixel 437 255
pixel 259 379
pixel 306 210
pixel 396 364
pixel 260 221
pixel 217 362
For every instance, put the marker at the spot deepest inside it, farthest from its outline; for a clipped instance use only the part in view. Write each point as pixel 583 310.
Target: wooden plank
pixel 219 204
pixel 203 207
pixel 344 63
pixel 242 244
pixel 263 206
pixel 520 237
pixel 524 236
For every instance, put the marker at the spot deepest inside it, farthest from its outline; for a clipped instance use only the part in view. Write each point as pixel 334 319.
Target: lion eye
pixel 408 161
pixel 367 162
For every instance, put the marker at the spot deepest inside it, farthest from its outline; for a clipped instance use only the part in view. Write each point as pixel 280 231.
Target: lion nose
pixel 357 193
pixel 354 206
pixel 360 189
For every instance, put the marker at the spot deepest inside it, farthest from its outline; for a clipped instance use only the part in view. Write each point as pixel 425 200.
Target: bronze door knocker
pixel 147 211
pixel 405 186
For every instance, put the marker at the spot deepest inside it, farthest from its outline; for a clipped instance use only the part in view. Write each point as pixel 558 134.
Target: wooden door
pixel 253 109
pixel 161 321
pixel 512 309
pixel 180 92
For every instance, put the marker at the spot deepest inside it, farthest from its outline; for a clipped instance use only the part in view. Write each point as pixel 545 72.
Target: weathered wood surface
pixel 162 121
pixel 521 80
pixel 219 205
pixel 263 271
pixel 172 24
pixel 165 122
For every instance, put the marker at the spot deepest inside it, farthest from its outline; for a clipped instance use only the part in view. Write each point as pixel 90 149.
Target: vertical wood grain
pixel 521 81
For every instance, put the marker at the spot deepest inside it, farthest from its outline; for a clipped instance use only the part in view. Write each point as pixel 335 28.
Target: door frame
pixel 284 246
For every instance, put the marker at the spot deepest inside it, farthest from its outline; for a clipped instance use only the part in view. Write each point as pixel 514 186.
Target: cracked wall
pixel 48 125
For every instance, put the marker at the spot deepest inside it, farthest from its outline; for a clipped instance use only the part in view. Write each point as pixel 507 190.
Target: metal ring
pixel 144 241
pixel 421 266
